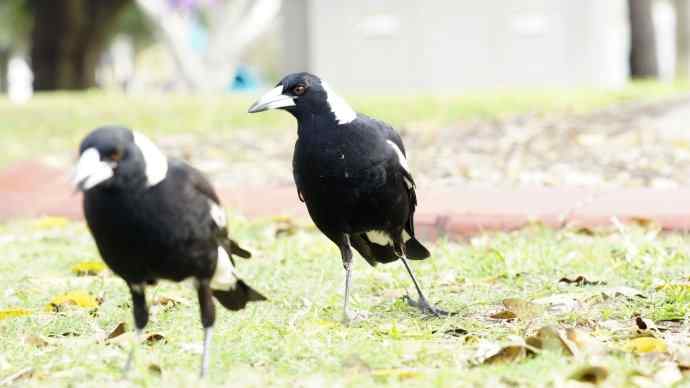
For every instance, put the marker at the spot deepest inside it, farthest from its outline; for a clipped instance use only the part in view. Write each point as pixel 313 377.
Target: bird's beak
pixel 274 99
pixel 91 170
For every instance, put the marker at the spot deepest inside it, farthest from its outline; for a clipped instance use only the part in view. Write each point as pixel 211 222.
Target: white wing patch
pixel 402 160
pixel 225 277
pixel 343 112
pixel 379 237
pixel 156 162
pixel 218 214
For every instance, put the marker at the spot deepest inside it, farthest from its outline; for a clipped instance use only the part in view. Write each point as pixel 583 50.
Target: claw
pixel 426 308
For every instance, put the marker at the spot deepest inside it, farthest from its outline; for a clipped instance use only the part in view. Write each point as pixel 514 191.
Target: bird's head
pixel 118 157
pixel 305 94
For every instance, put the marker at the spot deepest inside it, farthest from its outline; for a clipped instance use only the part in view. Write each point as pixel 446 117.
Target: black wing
pixel 203 186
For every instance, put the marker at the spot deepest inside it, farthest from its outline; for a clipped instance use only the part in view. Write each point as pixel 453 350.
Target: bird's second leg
pixel 208 317
pixel 422 303
pixel 141 318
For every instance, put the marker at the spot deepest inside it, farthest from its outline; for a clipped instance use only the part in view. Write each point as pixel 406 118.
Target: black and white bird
pixel 351 171
pixel 157 218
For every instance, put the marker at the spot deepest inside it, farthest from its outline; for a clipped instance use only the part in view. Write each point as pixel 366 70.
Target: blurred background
pixel 536 92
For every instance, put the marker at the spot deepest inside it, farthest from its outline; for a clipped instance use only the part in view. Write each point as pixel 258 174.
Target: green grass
pixel 54 123
pixel 296 339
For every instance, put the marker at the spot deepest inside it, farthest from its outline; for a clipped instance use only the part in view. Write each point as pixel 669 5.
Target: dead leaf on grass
pixel 453 331
pixel 590 374
pixel 88 268
pixel 153 338
pixel 646 345
pixel 507 354
pixel 14 313
pixel 155 369
pixel 581 281
pixel 516 308
pixel 119 330
pixel 25 373
pixel 35 341
pixel 73 298
pixel 401 374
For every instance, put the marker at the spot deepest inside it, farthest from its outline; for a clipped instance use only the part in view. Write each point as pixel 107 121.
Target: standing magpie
pixel 352 173
pixel 157 218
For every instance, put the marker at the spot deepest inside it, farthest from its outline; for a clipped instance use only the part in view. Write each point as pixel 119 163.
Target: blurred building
pixel 458 44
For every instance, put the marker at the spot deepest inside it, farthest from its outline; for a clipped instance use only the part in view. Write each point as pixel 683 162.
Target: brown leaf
pixel 155 369
pixel 153 338
pixel 581 281
pixel 551 339
pixel 590 374
pixel 119 330
pixel 507 354
pixel 36 341
pixel 504 314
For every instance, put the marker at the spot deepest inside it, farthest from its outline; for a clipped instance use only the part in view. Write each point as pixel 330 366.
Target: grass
pixel 296 339
pixel 54 123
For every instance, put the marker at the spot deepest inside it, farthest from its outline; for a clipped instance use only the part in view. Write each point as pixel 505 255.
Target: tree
pixel 231 26
pixel 68 38
pixel 683 38
pixel 643 51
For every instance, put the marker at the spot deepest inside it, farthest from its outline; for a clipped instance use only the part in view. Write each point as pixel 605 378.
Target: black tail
pixel 238 297
pixel 236 249
pixel 415 250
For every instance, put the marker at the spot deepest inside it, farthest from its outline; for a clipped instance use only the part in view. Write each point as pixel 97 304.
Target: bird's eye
pixel 299 90
pixel 116 155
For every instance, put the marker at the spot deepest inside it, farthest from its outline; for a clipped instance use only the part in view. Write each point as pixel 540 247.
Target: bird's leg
pixel 208 317
pixel 346 254
pixel 141 318
pixel 422 304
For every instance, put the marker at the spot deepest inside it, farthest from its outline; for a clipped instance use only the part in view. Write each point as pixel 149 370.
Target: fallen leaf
pixel 167 301
pixel 51 222
pixel 119 330
pixel 551 339
pixel 507 354
pixel 628 292
pixel 645 345
pixel 561 303
pixel 585 342
pixel 25 373
pixel 590 374
pixel 644 324
pixel 35 341
pixel 73 298
pixel 504 314
pixel 523 309
pixel 581 281
pixel 454 332
pixel 88 268
pixel 155 369
pixel 402 374
pixel 13 313
pixel 153 338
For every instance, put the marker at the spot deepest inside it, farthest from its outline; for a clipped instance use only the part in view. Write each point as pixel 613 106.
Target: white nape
pixel 379 237
pixel 343 112
pixel 218 214
pixel 156 162
pixel 225 277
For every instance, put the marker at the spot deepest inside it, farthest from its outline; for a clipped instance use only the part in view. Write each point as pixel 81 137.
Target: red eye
pixel 299 90
pixel 116 155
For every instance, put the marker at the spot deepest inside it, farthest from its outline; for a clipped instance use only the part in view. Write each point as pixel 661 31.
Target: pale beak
pixel 91 170
pixel 274 99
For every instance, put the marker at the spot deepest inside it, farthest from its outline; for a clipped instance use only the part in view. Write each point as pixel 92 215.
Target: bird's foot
pixel 353 316
pixel 426 308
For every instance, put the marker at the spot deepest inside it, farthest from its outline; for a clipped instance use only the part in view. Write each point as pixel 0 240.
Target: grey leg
pixel 422 304
pixel 208 317
pixel 141 318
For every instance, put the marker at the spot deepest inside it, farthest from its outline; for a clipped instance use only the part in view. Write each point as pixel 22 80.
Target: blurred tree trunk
pixel 643 53
pixel 4 59
pixel 67 40
pixel 682 38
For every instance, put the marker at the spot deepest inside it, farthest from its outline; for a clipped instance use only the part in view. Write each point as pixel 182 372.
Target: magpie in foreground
pixel 158 218
pixel 352 173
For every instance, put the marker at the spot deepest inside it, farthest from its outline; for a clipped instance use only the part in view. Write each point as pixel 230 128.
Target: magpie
pixel 351 172
pixel 157 218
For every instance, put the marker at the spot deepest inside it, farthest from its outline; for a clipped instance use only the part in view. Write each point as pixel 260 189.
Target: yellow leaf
pixel 401 374
pixel 88 268
pixel 75 298
pixel 13 313
pixel 51 222
pixel 646 345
